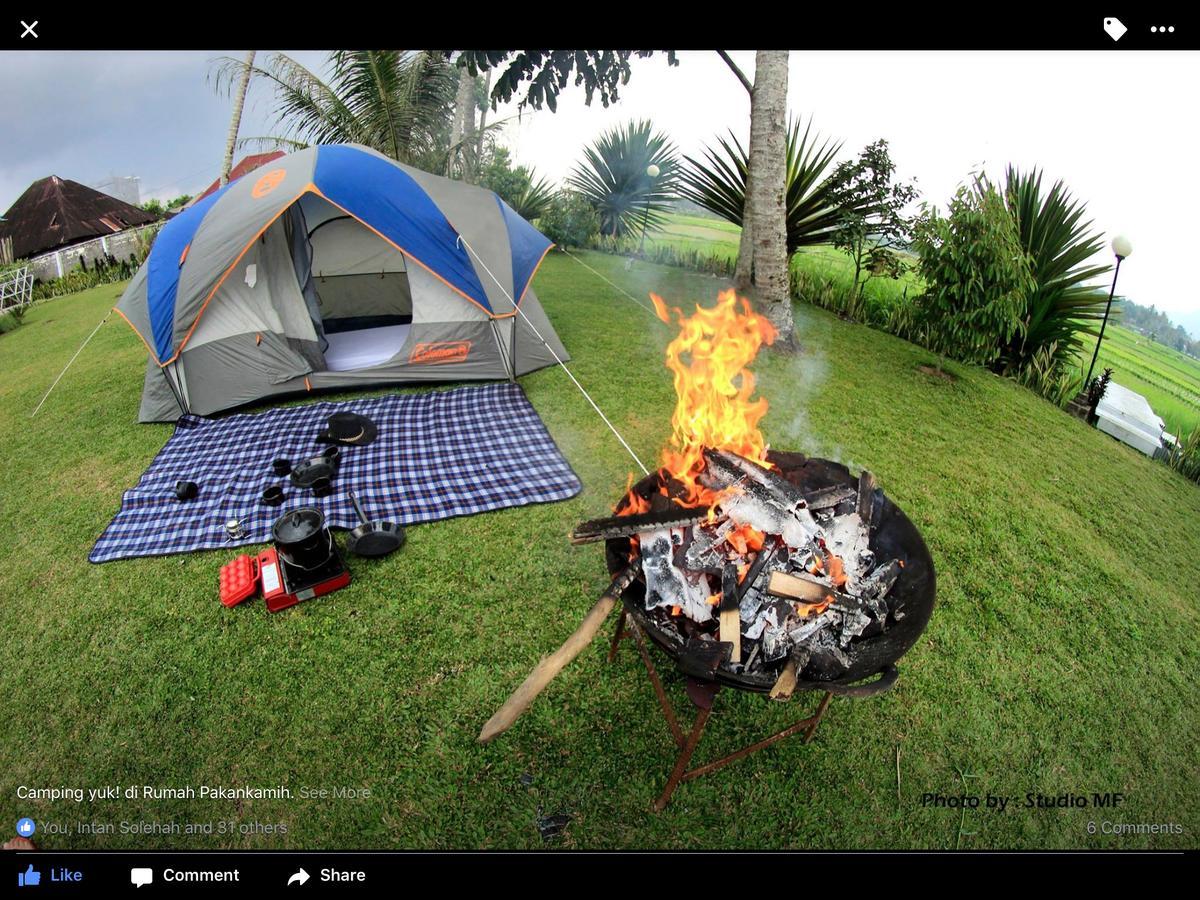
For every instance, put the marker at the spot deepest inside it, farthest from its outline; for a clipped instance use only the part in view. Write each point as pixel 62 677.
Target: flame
pixel 713 388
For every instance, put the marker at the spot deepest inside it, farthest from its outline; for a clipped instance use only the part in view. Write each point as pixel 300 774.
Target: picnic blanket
pixel 438 454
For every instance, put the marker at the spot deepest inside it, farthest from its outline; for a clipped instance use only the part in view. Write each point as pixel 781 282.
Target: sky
pixel 1115 126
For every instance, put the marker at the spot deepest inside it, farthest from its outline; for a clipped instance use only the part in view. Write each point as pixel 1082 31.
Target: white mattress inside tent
pixel 350 350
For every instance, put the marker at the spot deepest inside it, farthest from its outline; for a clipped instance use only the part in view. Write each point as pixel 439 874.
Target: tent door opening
pixel 355 285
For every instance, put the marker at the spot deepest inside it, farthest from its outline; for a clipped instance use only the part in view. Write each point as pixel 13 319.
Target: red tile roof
pixel 248 164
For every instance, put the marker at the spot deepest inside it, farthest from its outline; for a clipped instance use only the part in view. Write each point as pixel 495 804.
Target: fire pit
pixel 857 640
pixel 750 568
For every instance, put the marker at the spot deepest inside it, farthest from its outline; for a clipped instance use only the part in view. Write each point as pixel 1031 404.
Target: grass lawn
pixel 1061 657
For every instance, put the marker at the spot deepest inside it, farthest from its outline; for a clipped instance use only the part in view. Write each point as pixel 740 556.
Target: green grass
pixel 1060 658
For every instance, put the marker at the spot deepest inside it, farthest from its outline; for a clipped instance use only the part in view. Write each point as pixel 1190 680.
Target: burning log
pixel 881 580
pixel 627 526
pixel 704 554
pixel 826 498
pixel 668 585
pixel 731 622
pixel 866 497
pixel 754 496
pixel 847 538
pixel 798 586
pixel 785 684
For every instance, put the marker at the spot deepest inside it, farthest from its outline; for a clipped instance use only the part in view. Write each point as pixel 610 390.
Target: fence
pixel 16 288
pixel 119 246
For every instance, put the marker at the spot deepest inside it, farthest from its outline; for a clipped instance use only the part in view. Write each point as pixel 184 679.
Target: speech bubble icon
pixel 1115 27
pixel 141 876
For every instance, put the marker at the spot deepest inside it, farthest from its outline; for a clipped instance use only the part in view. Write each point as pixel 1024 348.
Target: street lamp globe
pixel 652 170
pixel 1122 246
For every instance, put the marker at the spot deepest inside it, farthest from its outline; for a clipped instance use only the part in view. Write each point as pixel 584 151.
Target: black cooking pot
pixel 302 539
pixel 910 602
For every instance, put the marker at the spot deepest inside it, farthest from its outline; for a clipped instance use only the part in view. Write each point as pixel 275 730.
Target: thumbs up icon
pixel 29 877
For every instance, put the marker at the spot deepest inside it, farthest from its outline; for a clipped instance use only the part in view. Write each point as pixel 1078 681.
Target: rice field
pixel 1169 380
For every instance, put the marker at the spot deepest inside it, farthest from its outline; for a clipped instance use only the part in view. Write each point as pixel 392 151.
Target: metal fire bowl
pixel 893 537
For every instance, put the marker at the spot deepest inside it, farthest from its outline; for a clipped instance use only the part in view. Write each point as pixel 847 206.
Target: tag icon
pixel 1114 27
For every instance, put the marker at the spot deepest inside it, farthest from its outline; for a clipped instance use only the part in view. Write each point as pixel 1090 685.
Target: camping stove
pixel 285 584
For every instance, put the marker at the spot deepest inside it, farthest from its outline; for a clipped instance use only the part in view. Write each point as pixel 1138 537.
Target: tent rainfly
pixel 335 267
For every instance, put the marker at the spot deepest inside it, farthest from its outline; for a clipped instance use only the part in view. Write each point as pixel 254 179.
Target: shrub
pixel 977 276
pixel 613 178
pixel 1059 242
pixel 569 220
pixel 1048 375
pixel 1184 457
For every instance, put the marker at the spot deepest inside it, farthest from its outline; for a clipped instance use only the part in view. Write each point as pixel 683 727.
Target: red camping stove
pixel 281 583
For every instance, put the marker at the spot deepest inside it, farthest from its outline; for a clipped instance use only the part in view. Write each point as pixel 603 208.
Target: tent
pixel 335 267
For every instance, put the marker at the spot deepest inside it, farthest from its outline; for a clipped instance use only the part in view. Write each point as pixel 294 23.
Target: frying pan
pixel 373 538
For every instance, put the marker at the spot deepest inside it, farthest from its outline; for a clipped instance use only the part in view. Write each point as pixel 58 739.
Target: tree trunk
pixel 235 123
pixel 456 127
pixel 464 122
pixel 767 192
pixel 487 93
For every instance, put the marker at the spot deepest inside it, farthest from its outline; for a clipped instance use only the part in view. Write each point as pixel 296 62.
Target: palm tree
pixel 1059 242
pixel 399 102
pixel 534 198
pixel 763 255
pixel 719 185
pixel 613 177
pixel 235 122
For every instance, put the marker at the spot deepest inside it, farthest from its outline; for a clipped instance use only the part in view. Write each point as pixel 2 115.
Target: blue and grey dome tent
pixel 335 267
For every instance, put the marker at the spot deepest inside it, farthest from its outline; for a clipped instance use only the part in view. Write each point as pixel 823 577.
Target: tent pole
pixel 513 358
pixel 500 346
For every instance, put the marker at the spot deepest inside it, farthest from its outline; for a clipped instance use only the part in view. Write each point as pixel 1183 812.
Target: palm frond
pixel 719 184
pixel 1059 240
pixel 613 177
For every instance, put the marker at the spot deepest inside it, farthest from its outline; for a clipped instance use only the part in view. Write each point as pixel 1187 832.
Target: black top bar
pixel 799 27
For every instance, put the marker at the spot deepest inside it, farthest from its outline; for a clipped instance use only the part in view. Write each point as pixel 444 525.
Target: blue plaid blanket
pixel 437 455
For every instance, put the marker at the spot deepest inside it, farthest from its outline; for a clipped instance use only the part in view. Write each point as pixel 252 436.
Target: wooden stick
pixel 543 673
pixel 785 684
pixel 797 587
pixel 730 616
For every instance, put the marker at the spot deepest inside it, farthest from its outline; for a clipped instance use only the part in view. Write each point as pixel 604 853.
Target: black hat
pixel 349 428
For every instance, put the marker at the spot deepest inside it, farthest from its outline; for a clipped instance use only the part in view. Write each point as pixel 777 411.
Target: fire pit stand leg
pixel 702 694
pixel 624 629
pixel 619 635
pixel 679 773
pixel 816 718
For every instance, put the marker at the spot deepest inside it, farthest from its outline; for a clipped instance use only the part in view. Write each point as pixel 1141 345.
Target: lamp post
pixel 651 172
pixel 1121 248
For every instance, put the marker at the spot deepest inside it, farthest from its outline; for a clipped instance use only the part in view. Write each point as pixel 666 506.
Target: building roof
pixel 247 164
pixel 57 212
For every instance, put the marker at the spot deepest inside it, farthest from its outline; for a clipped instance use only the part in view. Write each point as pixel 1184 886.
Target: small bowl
pixel 333 454
pixel 322 487
pixel 273 496
pixel 282 467
pixel 186 490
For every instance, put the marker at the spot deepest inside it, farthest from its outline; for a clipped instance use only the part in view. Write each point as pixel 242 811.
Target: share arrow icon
pixel 300 877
